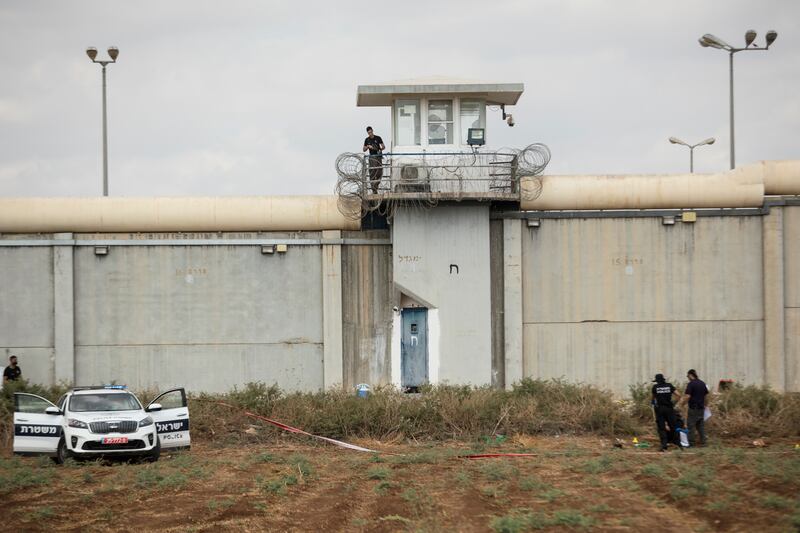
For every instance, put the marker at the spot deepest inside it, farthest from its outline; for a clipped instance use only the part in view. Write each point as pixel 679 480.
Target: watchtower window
pixel 407 123
pixel 440 122
pixel 472 115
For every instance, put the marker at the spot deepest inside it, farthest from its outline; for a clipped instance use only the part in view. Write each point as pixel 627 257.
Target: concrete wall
pixel 612 301
pixel 26 310
pixel 218 316
pixel 609 301
pixel 441 259
pixel 208 311
pixel 367 300
pixel 791 240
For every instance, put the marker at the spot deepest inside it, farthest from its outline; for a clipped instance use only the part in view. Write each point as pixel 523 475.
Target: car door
pixel 172 420
pixel 35 431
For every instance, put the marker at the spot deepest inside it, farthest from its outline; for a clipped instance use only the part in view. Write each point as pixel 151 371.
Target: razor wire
pixel 418 180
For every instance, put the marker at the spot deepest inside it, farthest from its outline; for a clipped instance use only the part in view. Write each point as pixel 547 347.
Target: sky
pixel 212 98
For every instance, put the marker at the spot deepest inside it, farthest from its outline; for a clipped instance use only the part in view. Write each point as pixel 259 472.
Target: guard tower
pixel 440 147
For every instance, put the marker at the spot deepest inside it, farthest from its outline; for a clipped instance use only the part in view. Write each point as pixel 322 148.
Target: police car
pixel 104 420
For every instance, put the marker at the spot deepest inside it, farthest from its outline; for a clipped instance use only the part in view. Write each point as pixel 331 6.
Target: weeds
pixel 773 501
pixel 153 477
pixel 654 470
pixel 43 513
pixel 530 484
pixel 550 495
pixel 277 485
pixel 383 487
pixel 499 471
pixel 517 521
pixel 572 518
pixel 221 505
pixel 23 477
pixel 600 508
pixel 597 466
pixel 378 473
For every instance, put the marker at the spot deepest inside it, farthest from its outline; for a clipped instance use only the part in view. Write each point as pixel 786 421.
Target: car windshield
pixel 104 402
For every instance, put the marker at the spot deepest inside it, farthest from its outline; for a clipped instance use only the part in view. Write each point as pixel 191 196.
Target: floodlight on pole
pixel 691 147
pixel 113 53
pixel 712 41
pixel 770 37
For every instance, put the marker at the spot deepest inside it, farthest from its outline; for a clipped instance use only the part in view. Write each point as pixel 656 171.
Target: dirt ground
pixel 571 484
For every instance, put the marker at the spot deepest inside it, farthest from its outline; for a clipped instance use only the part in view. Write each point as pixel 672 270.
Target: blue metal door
pixel 414 347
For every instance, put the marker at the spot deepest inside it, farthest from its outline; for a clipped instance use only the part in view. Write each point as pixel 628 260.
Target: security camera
pixel 395 309
pixel 510 120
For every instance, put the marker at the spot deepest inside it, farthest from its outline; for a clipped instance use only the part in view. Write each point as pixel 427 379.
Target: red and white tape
pixel 291 429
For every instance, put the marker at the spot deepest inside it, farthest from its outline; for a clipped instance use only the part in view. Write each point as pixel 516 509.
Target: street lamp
pixel 713 41
pixel 113 52
pixel 675 140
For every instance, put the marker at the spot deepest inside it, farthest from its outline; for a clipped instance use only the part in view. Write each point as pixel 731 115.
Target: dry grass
pixel 532 407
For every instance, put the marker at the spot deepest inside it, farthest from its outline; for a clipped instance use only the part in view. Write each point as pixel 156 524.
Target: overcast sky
pixel 258 97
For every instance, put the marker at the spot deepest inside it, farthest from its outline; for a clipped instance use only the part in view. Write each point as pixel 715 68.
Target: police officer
pixel 663 406
pixel 696 395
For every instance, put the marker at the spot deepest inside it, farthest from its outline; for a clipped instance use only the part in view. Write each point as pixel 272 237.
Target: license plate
pixel 115 440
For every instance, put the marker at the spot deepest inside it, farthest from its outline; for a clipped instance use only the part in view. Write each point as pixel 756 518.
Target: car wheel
pixel 156 452
pixel 61 452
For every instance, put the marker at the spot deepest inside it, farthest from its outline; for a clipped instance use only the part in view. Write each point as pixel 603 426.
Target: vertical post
pixel 63 310
pixel 691 160
pixel 512 302
pixel 332 360
pixel 774 319
pixel 105 138
pixel 733 157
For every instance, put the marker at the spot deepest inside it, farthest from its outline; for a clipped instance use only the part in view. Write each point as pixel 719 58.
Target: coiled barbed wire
pixel 452 175
pixel 531 162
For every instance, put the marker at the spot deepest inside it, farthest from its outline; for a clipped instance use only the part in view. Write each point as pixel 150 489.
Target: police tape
pixel 291 429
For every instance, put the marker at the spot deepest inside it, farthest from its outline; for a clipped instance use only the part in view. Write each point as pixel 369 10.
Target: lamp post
pixel 713 41
pixel 675 140
pixel 113 52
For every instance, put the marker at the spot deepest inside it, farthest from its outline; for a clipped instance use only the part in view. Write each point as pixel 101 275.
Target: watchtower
pixel 440 147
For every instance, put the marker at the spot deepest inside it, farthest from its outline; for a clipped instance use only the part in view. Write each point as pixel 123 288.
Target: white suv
pixel 94 421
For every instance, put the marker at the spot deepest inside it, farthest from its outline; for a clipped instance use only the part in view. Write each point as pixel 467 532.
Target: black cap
pixel 659 378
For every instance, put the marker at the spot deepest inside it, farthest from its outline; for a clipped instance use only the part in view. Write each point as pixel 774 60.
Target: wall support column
pixel 512 305
pixel 774 326
pixel 332 364
pixel 63 311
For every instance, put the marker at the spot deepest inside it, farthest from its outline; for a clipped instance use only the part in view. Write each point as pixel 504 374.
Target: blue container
pixel 362 390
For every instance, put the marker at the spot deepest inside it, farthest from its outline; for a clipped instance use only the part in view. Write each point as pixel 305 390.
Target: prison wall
pixel 217 316
pixel 367 300
pixel 612 301
pixel 26 310
pixel 206 311
pixel 791 257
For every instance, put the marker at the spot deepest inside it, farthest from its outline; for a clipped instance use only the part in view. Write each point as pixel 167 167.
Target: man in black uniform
pixel 375 145
pixel 696 393
pixel 12 371
pixel 664 410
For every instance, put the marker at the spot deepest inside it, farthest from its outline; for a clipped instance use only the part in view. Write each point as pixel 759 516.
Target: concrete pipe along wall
pixel 256 213
pixel 741 187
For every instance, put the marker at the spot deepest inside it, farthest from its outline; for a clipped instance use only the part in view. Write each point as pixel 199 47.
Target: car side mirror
pixel 52 410
pixel 153 407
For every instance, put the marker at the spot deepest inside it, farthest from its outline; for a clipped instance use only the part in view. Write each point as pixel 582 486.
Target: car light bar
pixel 94 387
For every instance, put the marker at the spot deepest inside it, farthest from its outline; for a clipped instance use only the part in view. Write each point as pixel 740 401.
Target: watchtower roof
pixel 383 94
